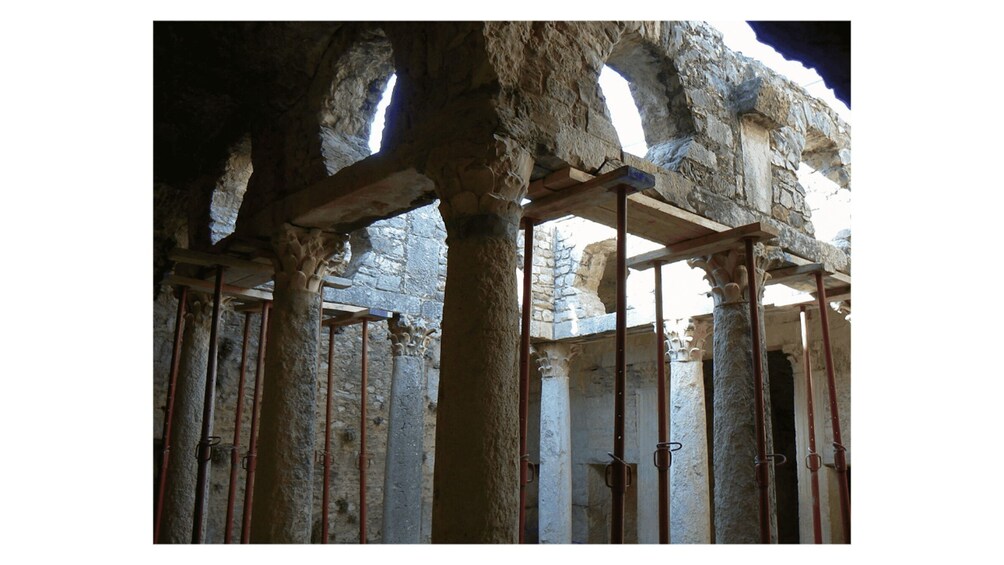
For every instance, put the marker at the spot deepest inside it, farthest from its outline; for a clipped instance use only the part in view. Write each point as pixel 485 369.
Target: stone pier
pixel 735 490
pixel 555 481
pixel 186 426
pixel 690 497
pixel 476 480
pixel 284 478
pixel 402 490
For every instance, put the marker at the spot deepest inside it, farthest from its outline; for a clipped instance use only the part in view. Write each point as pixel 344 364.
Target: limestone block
pixel 763 99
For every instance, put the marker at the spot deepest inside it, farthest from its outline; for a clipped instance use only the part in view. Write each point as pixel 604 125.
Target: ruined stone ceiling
pixel 212 78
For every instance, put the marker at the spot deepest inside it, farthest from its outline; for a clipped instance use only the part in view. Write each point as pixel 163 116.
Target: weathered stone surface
pixel 179 496
pixel 284 481
pixel 762 98
pixel 555 482
pixel 690 503
pixel 476 429
pixel 402 484
pixel 735 491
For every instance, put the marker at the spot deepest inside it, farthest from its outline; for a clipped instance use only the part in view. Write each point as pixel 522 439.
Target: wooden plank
pixel 199 284
pixel 349 318
pixel 556 181
pixel 654 220
pixel 190 257
pixel 839 294
pixel 700 222
pixel 570 199
pixel 701 245
pixel 565 178
pixel 796 272
pixel 832 273
pixel 537 190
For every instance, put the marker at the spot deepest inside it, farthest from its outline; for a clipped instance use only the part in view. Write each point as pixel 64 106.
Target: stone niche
pixel 756 165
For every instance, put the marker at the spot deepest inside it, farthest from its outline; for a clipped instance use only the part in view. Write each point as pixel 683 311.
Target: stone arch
pixel 595 278
pixel 348 103
pixel 659 95
pixel 228 193
pixel 824 183
pixel 824 155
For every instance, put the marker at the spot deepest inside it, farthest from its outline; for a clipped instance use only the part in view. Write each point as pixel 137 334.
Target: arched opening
pixel 624 113
pixel 352 103
pixel 229 190
pixel 596 278
pixel 658 96
pixel 379 116
pixel 824 176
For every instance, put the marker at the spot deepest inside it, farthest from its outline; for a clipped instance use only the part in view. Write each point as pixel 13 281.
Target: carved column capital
pixel 199 307
pixel 554 358
pixel 685 339
pixel 409 337
pixel 303 257
pixel 726 272
pixel 476 180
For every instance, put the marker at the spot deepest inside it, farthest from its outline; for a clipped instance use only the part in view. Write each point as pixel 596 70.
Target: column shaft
pixel 402 487
pixel 481 183
pixel 736 498
pixel 285 466
pixel 283 490
pixel 476 481
pixel 690 502
pixel 182 468
pixel 555 481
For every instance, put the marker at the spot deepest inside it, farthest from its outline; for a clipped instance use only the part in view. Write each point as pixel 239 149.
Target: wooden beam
pixel 349 318
pixel 837 295
pixel 701 246
pixel 585 194
pixel 248 293
pixel 565 178
pixel 677 213
pixel 556 181
pixel 786 274
pixel 190 257
pixel 832 273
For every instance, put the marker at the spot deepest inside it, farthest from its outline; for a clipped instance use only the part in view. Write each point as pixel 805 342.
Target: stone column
pixel 555 481
pixel 646 481
pixel 284 477
pixel 476 480
pixel 186 426
pixel 690 497
pixel 402 487
pixel 736 499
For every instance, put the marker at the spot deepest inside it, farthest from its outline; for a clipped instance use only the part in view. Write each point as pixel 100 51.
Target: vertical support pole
pixel 839 462
pixel 762 476
pixel 206 441
pixel 524 372
pixel 179 326
pixel 235 455
pixel 813 459
pixel 618 484
pixel 252 456
pixel 326 489
pixel 362 436
pixel 662 449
